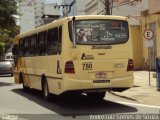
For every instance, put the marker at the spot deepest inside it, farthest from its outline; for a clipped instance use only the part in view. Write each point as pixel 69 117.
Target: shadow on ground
pixel 2 84
pixel 76 105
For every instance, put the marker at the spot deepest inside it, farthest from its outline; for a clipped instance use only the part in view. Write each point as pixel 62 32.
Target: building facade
pixel 151 20
pixel 51 13
pixel 127 8
pixel 27 16
pixel 77 7
pixel 154 7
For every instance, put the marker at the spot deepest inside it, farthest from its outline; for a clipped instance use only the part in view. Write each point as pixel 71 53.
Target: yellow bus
pixel 88 54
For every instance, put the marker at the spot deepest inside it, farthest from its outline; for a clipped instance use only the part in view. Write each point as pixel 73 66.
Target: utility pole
pixel 107 7
pixel 111 7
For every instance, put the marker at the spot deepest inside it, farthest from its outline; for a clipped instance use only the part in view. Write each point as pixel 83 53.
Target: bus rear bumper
pixel 115 84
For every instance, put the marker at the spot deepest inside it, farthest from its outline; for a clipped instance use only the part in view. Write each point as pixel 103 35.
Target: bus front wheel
pixel 96 95
pixel 45 90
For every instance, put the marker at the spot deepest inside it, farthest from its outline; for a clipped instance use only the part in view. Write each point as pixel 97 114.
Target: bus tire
pixel 25 89
pixel 96 95
pixel 45 90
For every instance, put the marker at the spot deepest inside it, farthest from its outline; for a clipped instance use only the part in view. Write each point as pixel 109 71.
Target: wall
pixel 49 9
pixel 154 6
pixel 132 10
pixel 137 46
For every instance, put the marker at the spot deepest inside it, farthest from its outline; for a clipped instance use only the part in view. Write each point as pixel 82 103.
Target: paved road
pixel 32 106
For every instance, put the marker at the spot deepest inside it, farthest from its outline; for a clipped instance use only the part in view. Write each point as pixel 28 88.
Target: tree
pixel 8 8
pixel 8 27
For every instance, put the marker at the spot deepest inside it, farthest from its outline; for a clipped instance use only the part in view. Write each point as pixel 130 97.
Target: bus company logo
pixel 101 47
pixel 108 34
pixel 87 57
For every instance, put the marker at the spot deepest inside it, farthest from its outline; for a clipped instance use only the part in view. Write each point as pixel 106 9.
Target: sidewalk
pixel 141 91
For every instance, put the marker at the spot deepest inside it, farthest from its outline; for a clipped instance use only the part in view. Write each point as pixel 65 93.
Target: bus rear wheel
pixel 45 90
pixel 96 95
pixel 25 89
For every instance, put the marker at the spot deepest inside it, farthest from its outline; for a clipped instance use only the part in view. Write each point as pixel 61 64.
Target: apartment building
pixel 35 13
pixel 27 15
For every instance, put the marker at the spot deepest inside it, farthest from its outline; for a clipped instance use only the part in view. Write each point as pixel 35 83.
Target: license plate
pixel 101 75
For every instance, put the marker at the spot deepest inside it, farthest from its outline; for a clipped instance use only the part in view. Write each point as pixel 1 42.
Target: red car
pixel 6 68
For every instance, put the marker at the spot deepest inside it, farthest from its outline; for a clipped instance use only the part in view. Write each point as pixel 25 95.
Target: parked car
pixel 6 68
pixel 9 57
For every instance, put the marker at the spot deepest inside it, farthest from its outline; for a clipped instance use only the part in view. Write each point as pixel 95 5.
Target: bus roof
pixel 98 17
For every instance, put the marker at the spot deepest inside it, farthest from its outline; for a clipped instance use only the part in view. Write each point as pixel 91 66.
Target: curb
pixel 130 98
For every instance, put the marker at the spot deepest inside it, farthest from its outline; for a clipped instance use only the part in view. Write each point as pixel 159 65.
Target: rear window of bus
pixel 101 32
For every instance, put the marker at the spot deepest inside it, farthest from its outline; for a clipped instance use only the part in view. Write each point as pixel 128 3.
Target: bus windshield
pixel 101 32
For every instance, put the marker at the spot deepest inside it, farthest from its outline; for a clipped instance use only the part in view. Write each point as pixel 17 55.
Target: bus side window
pixel 26 49
pixel 33 47
pixel 21 46
pixel 15 53
pixel 52 41
pixel 42 43
pixel 60 40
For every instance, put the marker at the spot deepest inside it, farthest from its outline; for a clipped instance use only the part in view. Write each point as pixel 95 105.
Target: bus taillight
pixel 130 65
pixel 69 67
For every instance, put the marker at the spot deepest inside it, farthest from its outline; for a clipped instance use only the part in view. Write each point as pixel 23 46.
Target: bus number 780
pixel 87 66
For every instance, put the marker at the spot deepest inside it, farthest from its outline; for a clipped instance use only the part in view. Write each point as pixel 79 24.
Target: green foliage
pixel 2 48
pixel 8 27
pixel 8 8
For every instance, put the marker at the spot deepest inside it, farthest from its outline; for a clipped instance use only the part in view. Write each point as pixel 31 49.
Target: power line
pixel 107 7
pixel 117 5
